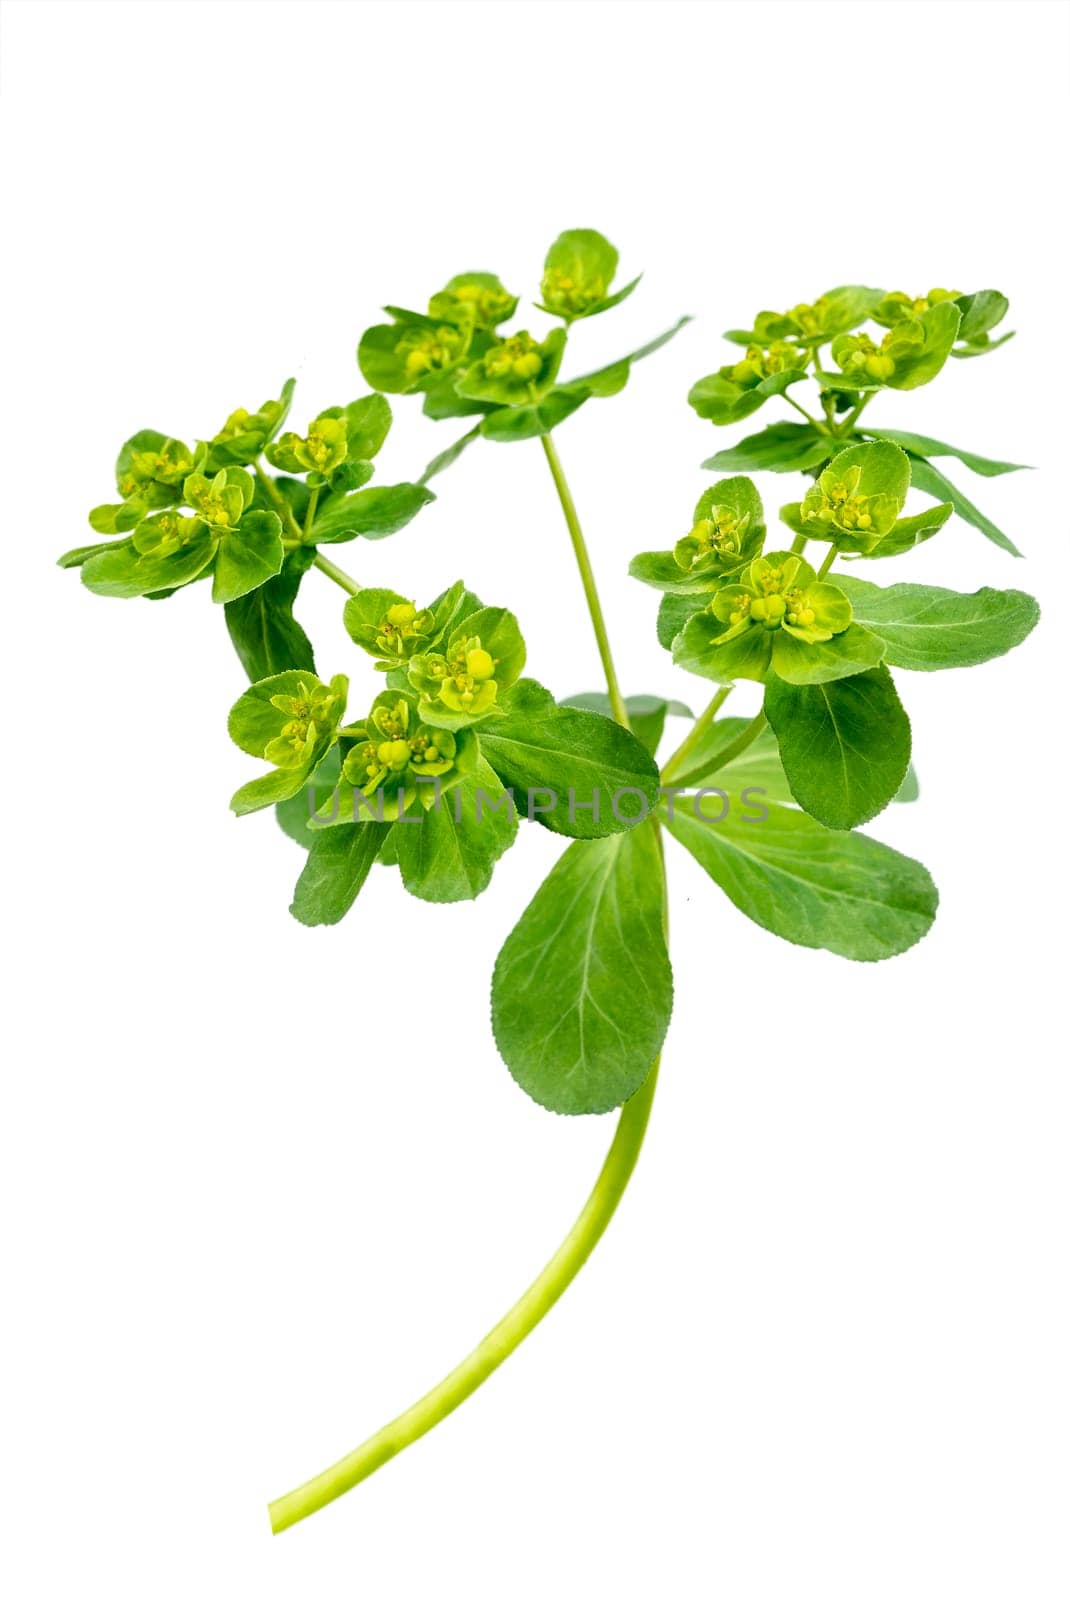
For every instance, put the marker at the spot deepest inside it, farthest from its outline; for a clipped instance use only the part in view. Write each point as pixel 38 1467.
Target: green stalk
pixel 501 1341
pixel 701 723
pixel 589 1226
pixel 583 561
pixel 310 514
pixel 279 501
pixel 723 757
pixel 342 579
pixel 803 412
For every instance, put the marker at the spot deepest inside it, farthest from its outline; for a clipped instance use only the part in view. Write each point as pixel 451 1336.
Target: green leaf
pixel 919 444
pixel 371 513
pixel 339 861
pixel 567 761
pixel 844 307
pixel 263 628
pixel 81 554
pixel 448 853
pixel 845 745
pixel 582 989
pixel 646 713
pixel 659 569
pixel 782 447
pixel 144 439
pixel 607 381
pixel 442 402
pixel 836 311
pixel 758 654
pixel 120 572
pixel 390 359
pixel 822 889
pixel 350 475
pixel 843 656
pixel 721 400
pixel 908 532
pixel 452 453
pixel 512 424
pixel 883 468
pixel 254 721
pixel 926 629
pixel 674 612
pixel 924 476
pixel 270 789
pixel 502 376
pixel 477 297
pixel 939 327
pixel 983 347
pixel 367 425
pixel 580 267
pixel 758 767
pixel 918 347
pixel 294 814
pixel 248 556
pixel 981 312
pixel 117 519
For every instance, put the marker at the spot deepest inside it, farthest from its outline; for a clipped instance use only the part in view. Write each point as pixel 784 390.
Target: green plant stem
pixel 589 1226
pixel 313 496
pixel 279 501
pixel 826 564
pixel 803 411
pixel 798 544
pixel 583 561
pixel 724 756
pixel 342 579
pixel 501 1341
pixel 698 729
pixel 848 426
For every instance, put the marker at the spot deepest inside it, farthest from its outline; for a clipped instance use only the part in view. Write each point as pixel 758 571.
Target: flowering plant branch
pixel 458 745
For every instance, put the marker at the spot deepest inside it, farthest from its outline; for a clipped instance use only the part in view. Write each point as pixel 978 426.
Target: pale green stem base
pixel 502 1340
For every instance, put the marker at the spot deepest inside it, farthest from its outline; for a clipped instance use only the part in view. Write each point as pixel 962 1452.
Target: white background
pixel 247 1214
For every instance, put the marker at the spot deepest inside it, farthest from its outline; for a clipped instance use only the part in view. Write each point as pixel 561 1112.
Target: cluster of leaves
pixel 457 357
pixel 827 343
pixel 433 778
pixel 831 745
pixel 215 510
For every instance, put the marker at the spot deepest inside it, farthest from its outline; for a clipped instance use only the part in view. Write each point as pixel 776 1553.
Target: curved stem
pixel 501 1341
pixel 725 755
pixel 589 1226
pixel 583 561
pixel 279 501
pixel 342 579
pixel 847 427
pixel 803 411
pixel 701 723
